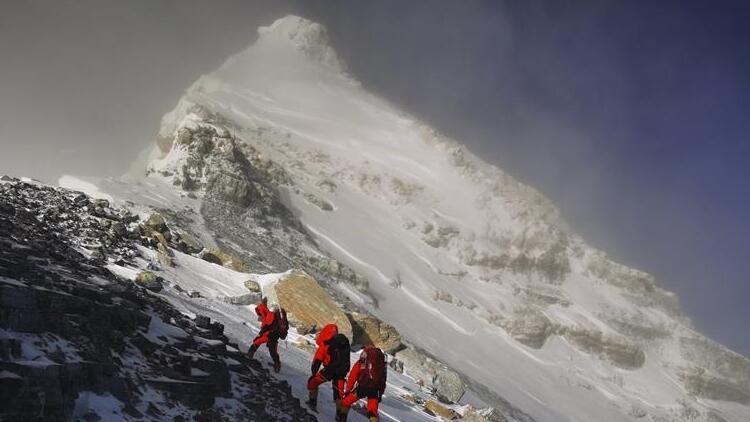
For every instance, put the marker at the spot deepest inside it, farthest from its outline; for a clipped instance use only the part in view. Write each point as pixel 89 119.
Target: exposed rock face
pixel 369 330
pixel 156 223
pixel 222 257
pixel 632 280
pixel 239 188
pixel 530 327
pixel 308 305
pixel 446 383
pixel 702 384
pixel 483 415
pixel 252 286
pixel 617 351
pixel 187 243
pixel 149 280
pixel 70 329
pixel 717 373
pixel 437 409
pixel 243 300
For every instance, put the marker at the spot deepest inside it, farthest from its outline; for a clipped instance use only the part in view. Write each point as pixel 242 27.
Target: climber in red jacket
pixel 367 379
pixel 333 354
pixel 268 334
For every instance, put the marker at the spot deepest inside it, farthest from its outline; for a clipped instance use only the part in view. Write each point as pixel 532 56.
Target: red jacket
pixel 353 376
pixel 321 354
pixel 265 314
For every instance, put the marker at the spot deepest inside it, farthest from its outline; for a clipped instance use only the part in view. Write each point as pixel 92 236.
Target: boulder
pixel 224 258
pixel 436 409
pixel 149 280
pixel 210 257
pixel 164 259
pixel 156 223
pixel 615 350
pixel 530 327
pixel 489 414
pixel 187 243
pixel 243 300
pixel 252 286
pixel 308 305
pixel 159 238
pixel 369 330
pixel 446 383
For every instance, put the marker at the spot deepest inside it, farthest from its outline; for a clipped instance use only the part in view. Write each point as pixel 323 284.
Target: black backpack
pixel 281 322
pixel 339 349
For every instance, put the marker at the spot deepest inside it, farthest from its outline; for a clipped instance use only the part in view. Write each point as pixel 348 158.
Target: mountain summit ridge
pixel 294 161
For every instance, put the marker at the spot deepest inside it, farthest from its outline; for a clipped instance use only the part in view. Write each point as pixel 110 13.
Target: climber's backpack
pixel 339 350
pixel 283 323
pixel 372 372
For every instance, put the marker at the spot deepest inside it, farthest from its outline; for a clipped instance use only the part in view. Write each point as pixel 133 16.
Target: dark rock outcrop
pixel 71 328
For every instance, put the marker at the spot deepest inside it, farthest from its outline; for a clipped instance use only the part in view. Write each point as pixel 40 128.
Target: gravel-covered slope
pixel 79 343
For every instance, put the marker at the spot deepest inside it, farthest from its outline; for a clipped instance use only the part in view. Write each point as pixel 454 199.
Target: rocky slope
pixel 109 314
pixel 282 158
pixel 79 343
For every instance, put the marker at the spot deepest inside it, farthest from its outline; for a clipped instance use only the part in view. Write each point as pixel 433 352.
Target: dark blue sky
pixel 631 115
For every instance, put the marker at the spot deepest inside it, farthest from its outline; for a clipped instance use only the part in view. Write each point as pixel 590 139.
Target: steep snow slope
pixel 466 262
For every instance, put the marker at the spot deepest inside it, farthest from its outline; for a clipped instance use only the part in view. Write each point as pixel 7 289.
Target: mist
pixel 630 116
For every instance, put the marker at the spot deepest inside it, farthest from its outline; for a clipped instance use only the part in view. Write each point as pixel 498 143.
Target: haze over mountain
pixel 289 162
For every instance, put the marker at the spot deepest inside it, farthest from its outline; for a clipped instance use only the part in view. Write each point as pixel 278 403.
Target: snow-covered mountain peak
pixel 304 34
pixel 465 261
pixel 289 42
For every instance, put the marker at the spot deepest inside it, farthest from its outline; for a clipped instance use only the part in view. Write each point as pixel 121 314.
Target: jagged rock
pixel 446 383
pixel 156 223
pixel 210 257
pixel 411 398
pixel 252 286
pixel 164 259
pixel 545 296
pixel 308 305
pixel 483 415
pixel 436 409
pixel 187 243
pixel 232 188
pixel 369 330
pixel 149 280
pixel 119 229
pixel 702 384
pixel 530 327
pixel 632 280
pixel 224 258
pixel 617 351
pixel 640 329
pixel 202 321
pixel 716 359
pixel 160 239
pixel 243 300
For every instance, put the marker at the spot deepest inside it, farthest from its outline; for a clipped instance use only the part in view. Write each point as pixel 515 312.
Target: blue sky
pixel 631 115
